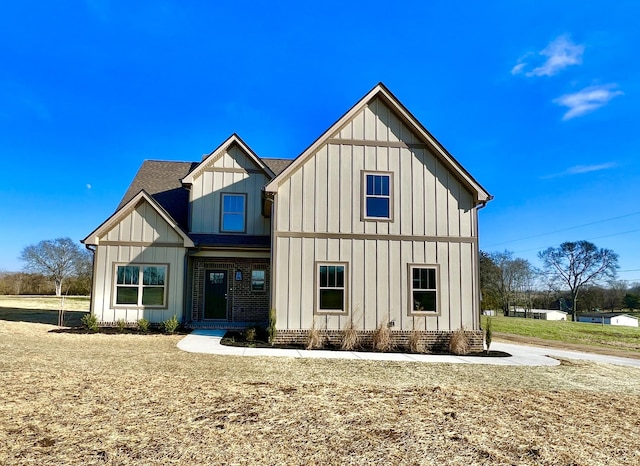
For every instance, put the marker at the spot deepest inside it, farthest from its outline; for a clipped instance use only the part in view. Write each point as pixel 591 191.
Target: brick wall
pixel 243 304
pixel 434 341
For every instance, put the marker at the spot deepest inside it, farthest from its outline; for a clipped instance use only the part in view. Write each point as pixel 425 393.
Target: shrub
pixel 143 325
pixel 271 328
pixel 314 338
pixel 488 334
pixel 121 324
pixel 250 334
pixel 350 338
pixel 459 343
pixel 171 325
pixel 415 343
pixel 91 322
pixel 382 340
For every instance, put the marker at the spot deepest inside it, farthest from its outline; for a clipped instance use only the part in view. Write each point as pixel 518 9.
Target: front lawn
pixel 606 336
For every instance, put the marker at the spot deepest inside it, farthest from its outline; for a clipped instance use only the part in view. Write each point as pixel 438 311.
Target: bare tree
pixel 57 259
pixel 576 264
pixel 508 277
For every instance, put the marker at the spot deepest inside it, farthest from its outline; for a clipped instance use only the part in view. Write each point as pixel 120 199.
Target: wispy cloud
pixel 587 100
pixel 581 169
pixel 560 53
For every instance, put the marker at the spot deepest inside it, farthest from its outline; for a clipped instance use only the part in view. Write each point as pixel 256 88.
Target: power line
pixel 567 229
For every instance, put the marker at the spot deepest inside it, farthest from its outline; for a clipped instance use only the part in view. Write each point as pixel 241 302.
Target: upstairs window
pixel 234 210
pixel 423 289
pixel 377 188
pixel 140 285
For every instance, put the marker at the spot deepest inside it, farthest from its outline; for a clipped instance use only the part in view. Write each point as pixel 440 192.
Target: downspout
pixel 482 205
pixel 92 248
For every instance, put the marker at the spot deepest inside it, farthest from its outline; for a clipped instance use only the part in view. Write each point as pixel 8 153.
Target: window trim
pixel 264 281
pixel 244 214
pixel 345 288
pixel 140 285
pixel 363 196
pixel 410 289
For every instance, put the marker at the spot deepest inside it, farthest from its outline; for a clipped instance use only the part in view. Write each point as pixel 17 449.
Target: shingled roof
pixel 162 181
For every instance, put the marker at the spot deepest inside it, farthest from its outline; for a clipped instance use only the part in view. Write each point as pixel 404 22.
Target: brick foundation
pixel 243 305
pixel 434 341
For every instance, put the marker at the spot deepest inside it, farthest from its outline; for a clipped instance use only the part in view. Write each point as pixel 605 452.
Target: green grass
pixel 43 309
pixel 609 336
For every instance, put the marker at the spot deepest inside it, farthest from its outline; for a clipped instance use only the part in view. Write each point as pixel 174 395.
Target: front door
pixel 215 294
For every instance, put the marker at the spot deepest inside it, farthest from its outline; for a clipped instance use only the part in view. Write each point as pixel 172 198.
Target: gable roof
pixel 161 180
pixel 124 210
pixel 481 196
pixel 221 149
pixel 606 314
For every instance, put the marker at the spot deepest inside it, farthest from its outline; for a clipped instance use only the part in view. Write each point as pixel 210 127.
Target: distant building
pixel 609 318
pixel 541 314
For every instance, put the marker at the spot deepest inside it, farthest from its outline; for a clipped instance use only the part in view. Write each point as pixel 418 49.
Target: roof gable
pixel 94 237
pixel 416 134
pixel 215 159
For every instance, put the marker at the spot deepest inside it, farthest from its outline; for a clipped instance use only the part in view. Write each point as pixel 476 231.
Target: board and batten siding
pixel 232 172
pixel 141 237
pixel 318 217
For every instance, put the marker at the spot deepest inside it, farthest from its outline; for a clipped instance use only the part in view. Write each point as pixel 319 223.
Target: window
pixel 377 188
pixel 332 290
pixel 423 289
pixel 140 285
pixel 258 280
pixel 234 208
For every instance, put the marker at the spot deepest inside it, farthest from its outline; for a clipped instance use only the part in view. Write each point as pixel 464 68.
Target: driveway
pixel 208 341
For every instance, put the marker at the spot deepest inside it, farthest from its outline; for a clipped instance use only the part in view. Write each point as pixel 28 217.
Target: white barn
pixel 609 318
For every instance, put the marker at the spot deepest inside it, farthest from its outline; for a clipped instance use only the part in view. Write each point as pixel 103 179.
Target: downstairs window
pixel 140 285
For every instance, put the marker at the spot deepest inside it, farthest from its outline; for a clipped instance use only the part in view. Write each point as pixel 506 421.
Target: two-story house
pixel 374 223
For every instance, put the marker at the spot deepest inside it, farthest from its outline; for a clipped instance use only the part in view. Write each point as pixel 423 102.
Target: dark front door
pixel 215 294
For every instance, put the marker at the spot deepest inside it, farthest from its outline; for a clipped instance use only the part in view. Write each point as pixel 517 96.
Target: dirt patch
pixel 507 337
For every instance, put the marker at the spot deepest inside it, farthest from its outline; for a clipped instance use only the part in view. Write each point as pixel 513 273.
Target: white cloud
pixel 88 186
pixel 580 169
pixel 560 53
pixel 587 100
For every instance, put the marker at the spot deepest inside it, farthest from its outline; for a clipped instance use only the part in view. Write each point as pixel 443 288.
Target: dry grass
pixel 350 338
pixel 135 399
pixel 415 344
pixel 314 338
pixel 382 339
pixel 459 343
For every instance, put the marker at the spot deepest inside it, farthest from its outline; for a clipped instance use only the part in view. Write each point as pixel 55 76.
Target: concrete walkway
pixel 208 341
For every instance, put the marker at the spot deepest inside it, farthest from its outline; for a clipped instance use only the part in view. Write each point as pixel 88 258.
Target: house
pixel 375 223
pixel 541 314
pixel 609 318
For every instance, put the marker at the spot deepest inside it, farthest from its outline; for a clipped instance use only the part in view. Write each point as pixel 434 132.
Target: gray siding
pixel 231 172
pixel 318 217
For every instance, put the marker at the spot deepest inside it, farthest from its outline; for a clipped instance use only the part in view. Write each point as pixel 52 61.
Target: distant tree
pixel 614 294
pixel 489 273
pixel 631 301
pixel 505 278
pixel 57 259
pixel 576 264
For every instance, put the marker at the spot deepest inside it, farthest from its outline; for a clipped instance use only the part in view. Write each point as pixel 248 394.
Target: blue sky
pixel 537 99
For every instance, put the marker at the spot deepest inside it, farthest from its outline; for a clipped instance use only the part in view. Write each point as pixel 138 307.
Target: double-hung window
pixel 331 292
pixel 258 280
pixel 377 195
pixel 234 212
pixel 423 292
pixel 140 285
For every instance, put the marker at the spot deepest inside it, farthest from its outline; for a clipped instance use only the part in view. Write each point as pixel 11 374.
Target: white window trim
pixel 438 289
pixel 264 281
pixel 345 303
pixel 222 212
pixel 364 196
pixel 140 285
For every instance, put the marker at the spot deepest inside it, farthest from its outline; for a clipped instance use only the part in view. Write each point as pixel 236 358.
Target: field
pixel 39 309
pixel 605 337
pixel 132 399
